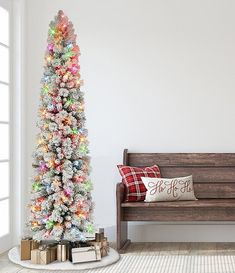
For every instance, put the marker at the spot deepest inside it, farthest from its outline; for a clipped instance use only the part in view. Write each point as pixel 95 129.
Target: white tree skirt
pixel 14 256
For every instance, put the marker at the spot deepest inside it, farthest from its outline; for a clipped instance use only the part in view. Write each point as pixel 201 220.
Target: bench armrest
pixel 120 193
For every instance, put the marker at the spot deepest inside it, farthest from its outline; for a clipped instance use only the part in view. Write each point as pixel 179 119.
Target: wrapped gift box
pixel 27 244
pixel 35 256
pixel 86 254
pixel 103 245
pixel 72 245
pixel 44 255
pixel 62 252
pixel 53 253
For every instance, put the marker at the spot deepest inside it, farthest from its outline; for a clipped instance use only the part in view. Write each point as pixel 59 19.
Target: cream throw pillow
pixel 169 189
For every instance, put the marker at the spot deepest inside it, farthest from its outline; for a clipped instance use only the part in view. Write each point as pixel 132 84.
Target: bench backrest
pixel 213 173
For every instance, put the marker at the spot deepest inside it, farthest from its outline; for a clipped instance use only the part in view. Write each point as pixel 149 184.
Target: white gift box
pixel 86 254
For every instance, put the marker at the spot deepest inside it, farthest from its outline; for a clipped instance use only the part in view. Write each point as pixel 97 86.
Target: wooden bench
pixel 214 185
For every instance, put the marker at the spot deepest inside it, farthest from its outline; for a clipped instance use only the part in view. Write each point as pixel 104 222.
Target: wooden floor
pixel 181 248
pixel 146 249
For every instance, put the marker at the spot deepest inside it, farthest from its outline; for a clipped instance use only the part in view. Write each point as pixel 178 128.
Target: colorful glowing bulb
pixel 82 139
pixel 36 208
pixel 65 77
pixel 74 131
pixel 46 125
pixel 78 178
pixel 43 112
pixel 49 58
pixel 70 46
pixel 64 199
pixel 50 224
pixel 36 186
pixel 67 193
pixel 68 102
pixel 90 228
pixel 83 148
pixel 81 107
pixel 68 55
pixel 51 163
pixel 50 47
pixel 34 224
pixel 82 215
pixel 46 78
pixel 45 88
pixel 40 141
pixel 45 148
pixel 43 167
pixel 74 69
pixel 88 186
pixel 74 107
pixel 40 199
pixel 52 31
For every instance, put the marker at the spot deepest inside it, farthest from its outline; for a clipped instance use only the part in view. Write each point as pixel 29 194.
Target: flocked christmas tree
pixel 61 205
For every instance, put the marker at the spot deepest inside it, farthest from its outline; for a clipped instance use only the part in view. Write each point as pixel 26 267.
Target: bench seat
pixel 199 210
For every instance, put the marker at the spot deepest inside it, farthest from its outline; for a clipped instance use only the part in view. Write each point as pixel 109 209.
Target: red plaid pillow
pixel 131 177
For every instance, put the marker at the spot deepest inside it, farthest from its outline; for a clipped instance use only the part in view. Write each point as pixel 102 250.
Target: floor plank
pixel 181 248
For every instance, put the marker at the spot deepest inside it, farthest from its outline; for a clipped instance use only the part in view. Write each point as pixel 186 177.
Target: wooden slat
pixel 181 159
pixel 214 190
pixel 202 203
pixel 201 174
pixel 179 214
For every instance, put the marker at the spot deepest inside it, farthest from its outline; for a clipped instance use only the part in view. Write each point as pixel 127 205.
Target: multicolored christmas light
pixel 61 204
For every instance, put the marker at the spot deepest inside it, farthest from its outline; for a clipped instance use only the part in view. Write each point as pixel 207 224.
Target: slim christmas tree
pixel 61 205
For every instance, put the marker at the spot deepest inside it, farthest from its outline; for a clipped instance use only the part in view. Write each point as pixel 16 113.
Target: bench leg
pixel 122 226
pixel 122 233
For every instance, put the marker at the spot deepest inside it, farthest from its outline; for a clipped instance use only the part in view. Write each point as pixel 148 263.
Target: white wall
pixel 159 77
